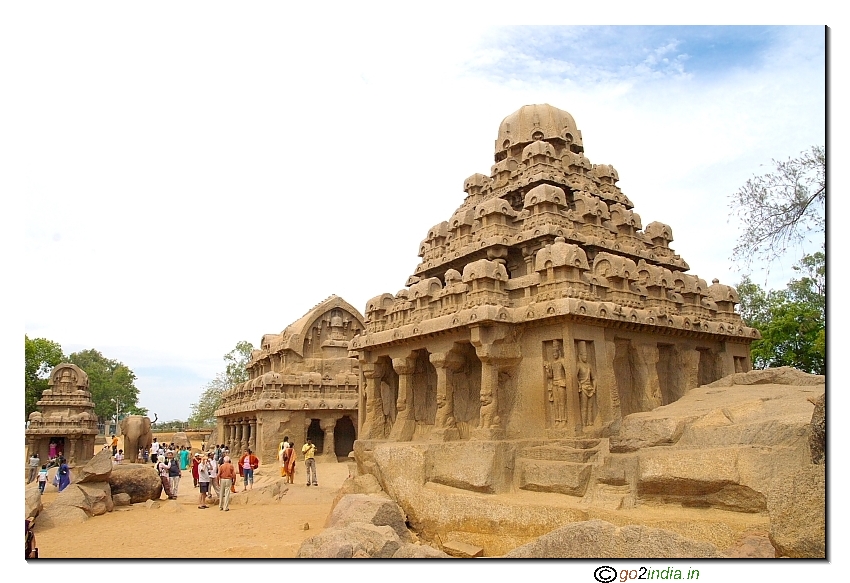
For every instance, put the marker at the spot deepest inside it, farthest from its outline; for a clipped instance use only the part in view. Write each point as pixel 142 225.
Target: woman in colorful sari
pixel 184 458
pixel 64 474
pixel 289 463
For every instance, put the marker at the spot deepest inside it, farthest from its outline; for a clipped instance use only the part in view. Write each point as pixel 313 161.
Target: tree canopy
pixel 110 383
pixel 792 321
pixel 203 412
pixel 781 208
pixel 40 356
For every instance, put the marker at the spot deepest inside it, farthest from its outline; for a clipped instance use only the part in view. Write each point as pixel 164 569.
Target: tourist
pixel 162 470
pixel 141 454
pixel 119 457
pixel 146 455
pixel 247 464
pixel 52 453
pixel 226 477
pixel 184 457
pixel 35 461
pixel 289 459
pixel 203 481
pixel 195 460
pixel 174 472
pixel 42 479
pixel 213 475
pixel 114 445
pixel 309 451
pixel 281 457
pixel 154 451
pixel 64 474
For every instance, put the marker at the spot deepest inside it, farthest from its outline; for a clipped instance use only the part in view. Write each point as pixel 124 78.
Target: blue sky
pixel 209 188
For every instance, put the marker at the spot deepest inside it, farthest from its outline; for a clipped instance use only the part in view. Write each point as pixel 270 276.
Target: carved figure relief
pixel 586 386
pixel 556 375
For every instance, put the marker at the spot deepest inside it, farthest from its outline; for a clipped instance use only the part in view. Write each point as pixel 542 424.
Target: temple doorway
pixel 344 436
pixel 317 435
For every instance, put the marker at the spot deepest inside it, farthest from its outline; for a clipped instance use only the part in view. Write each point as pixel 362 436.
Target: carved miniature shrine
pixel 301 382
pixel 65 423
pixel 542 307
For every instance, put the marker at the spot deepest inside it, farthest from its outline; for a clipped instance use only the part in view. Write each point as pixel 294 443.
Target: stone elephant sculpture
pixel 137 433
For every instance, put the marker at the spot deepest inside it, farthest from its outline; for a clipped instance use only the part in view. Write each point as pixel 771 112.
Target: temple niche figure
pixel 586 386
pixel 557 375
pixel 388 407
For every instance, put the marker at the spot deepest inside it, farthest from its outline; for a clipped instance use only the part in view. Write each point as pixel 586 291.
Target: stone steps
pixel 563 467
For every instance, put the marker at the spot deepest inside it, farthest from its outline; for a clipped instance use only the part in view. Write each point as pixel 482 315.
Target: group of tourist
pixel 287 457
pixel 38 471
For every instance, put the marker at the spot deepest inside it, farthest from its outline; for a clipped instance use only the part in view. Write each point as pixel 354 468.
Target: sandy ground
pixel 179 529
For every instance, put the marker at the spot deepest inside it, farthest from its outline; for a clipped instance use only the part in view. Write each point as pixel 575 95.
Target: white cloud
pixel 201 179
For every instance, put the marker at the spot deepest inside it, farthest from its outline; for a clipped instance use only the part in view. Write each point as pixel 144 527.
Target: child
pixel 42 479
pixel 119 457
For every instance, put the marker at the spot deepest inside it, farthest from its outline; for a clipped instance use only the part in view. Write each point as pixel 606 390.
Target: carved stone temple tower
pixel 301 384
pixel 65 423
pixel 543 308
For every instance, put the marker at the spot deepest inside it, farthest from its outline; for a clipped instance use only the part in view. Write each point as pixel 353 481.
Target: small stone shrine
pixel 302 384
pixel 65 423
pixel 543 308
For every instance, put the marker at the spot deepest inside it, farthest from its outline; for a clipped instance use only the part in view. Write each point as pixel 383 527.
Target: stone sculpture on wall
pixel 557 375
pixel 586 386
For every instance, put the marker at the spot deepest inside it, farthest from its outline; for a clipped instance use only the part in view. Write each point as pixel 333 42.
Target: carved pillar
pixel 327 426
pixel 241 442
pixel 445 426
pixel 690 371
pixel 252 434
pixel 373 424
pixel 404 423
pixel 646 376
pixel 71 454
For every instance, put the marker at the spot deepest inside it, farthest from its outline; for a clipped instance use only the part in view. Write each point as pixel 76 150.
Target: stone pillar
pixel 329 453
pixel 373 423
pixel 240 435
pixel 490 422
pixel 252 434
pixel 445 426
pixel 404 423
pixel 646 376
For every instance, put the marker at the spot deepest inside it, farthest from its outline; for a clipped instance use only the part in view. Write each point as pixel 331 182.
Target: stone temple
pixel 301 383
pixel 543 308
pixel 65 423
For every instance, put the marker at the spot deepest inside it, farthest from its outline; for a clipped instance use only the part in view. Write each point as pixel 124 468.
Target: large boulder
pixel 817 430
pixel 363 484
pixel 32 505
pixel 92 498
pixel 797 508
pixel 377 510
pixel 181 439
pixel 59 515
pixel 97 469
pixel 602 540
pixel 140 481
pixel 357 539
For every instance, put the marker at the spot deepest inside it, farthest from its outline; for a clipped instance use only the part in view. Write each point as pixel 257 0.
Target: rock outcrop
pixel 32 503
pixel 600 539
pixel 356 539
pixel 797 507
pixel 97 469
pixel 376 510
pixel 139 481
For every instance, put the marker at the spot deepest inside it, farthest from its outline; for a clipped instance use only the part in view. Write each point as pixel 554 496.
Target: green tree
pixel 40 357
pixel 781 208
pixel 792 321
pixel 111 383
pixel 203 412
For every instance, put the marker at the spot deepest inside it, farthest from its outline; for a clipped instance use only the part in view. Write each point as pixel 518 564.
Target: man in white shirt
pixel 213 474
pixel 154 451
pixel 203 482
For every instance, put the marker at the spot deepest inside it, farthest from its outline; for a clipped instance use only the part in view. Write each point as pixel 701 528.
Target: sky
pixel 190 175
pixel 204 179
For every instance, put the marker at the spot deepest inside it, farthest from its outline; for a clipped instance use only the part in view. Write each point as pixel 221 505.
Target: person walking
pixel 226 477
pixel 174 472
pixel 184 457
pixel 42 479
pixel 35 462
pixel 64 474
pixel 203 481
pixel 247 464
pixel 162 470
pixel 195 461
pixel 309 451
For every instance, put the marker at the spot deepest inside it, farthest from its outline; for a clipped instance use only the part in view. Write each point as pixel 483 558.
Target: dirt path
pixel 178 529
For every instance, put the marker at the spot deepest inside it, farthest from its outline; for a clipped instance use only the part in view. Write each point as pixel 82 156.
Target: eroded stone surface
pixel 97 469
pixel 369 509
pixel 356 538
pixel 797 506
pixel 139 481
